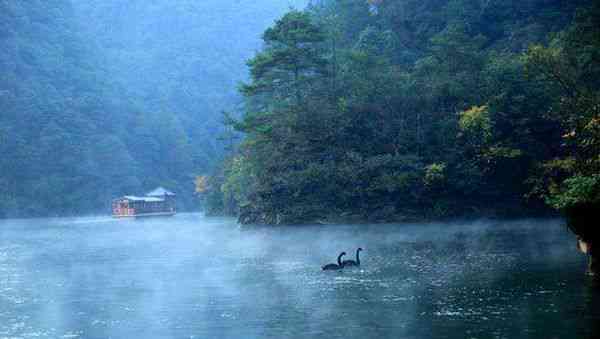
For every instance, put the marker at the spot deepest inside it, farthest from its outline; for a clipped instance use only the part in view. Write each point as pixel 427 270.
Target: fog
pixel 197 277
pixel 184 57
pixel 371 110
pixel 102 99
pixel 180 62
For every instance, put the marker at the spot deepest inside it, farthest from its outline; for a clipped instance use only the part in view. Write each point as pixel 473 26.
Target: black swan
pixel 337 266
pixel 352 262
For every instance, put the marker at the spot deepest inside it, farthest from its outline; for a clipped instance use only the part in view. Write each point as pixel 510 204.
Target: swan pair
pixel 341 264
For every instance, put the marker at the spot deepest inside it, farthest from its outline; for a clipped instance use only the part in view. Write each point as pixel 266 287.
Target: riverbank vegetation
pixel 396 110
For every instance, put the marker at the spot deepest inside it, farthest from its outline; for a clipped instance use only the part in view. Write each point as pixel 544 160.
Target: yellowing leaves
pixel 476 117
pixel 476 123
pixel 201 184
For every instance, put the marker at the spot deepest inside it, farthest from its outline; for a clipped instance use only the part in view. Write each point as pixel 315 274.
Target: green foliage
pixel 569 67
pixel 576 190
pixel 102 98
pixel 435 174
pixel 476 123
pixel 238 181
pixel 350 99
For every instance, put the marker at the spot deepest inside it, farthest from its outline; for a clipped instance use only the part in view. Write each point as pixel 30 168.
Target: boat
pixel 159 202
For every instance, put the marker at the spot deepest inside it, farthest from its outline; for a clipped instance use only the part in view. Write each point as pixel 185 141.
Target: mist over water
pixel 196 277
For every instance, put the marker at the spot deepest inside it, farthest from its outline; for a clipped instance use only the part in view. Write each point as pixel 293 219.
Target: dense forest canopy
pixel 387 110
pixel 103 98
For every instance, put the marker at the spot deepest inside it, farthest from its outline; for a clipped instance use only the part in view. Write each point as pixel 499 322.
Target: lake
pixel 196 277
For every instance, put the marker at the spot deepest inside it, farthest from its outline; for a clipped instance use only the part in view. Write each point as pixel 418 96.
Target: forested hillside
pixel 183 58
pixel 103 98
pixel 395 110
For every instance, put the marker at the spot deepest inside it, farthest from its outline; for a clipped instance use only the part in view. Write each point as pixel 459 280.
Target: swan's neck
pixel 357 257
pixel 340 259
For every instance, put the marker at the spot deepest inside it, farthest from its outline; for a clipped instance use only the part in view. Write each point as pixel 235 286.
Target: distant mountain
pixel 102 98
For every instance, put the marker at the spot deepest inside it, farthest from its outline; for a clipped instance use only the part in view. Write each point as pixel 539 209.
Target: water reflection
pixel 191 277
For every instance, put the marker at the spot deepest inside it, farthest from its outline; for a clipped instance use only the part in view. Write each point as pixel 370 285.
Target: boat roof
pixel 144 199
pixel 160 192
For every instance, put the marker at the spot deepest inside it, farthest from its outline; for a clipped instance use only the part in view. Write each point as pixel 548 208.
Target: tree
pixel 288 82
pixel 423 112
pixel 570 67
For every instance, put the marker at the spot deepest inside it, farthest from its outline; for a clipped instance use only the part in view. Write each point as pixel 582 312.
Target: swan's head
pixel 343 253
pixel 359 249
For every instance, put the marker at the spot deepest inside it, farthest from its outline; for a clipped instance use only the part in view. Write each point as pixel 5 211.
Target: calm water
pixel 195 277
